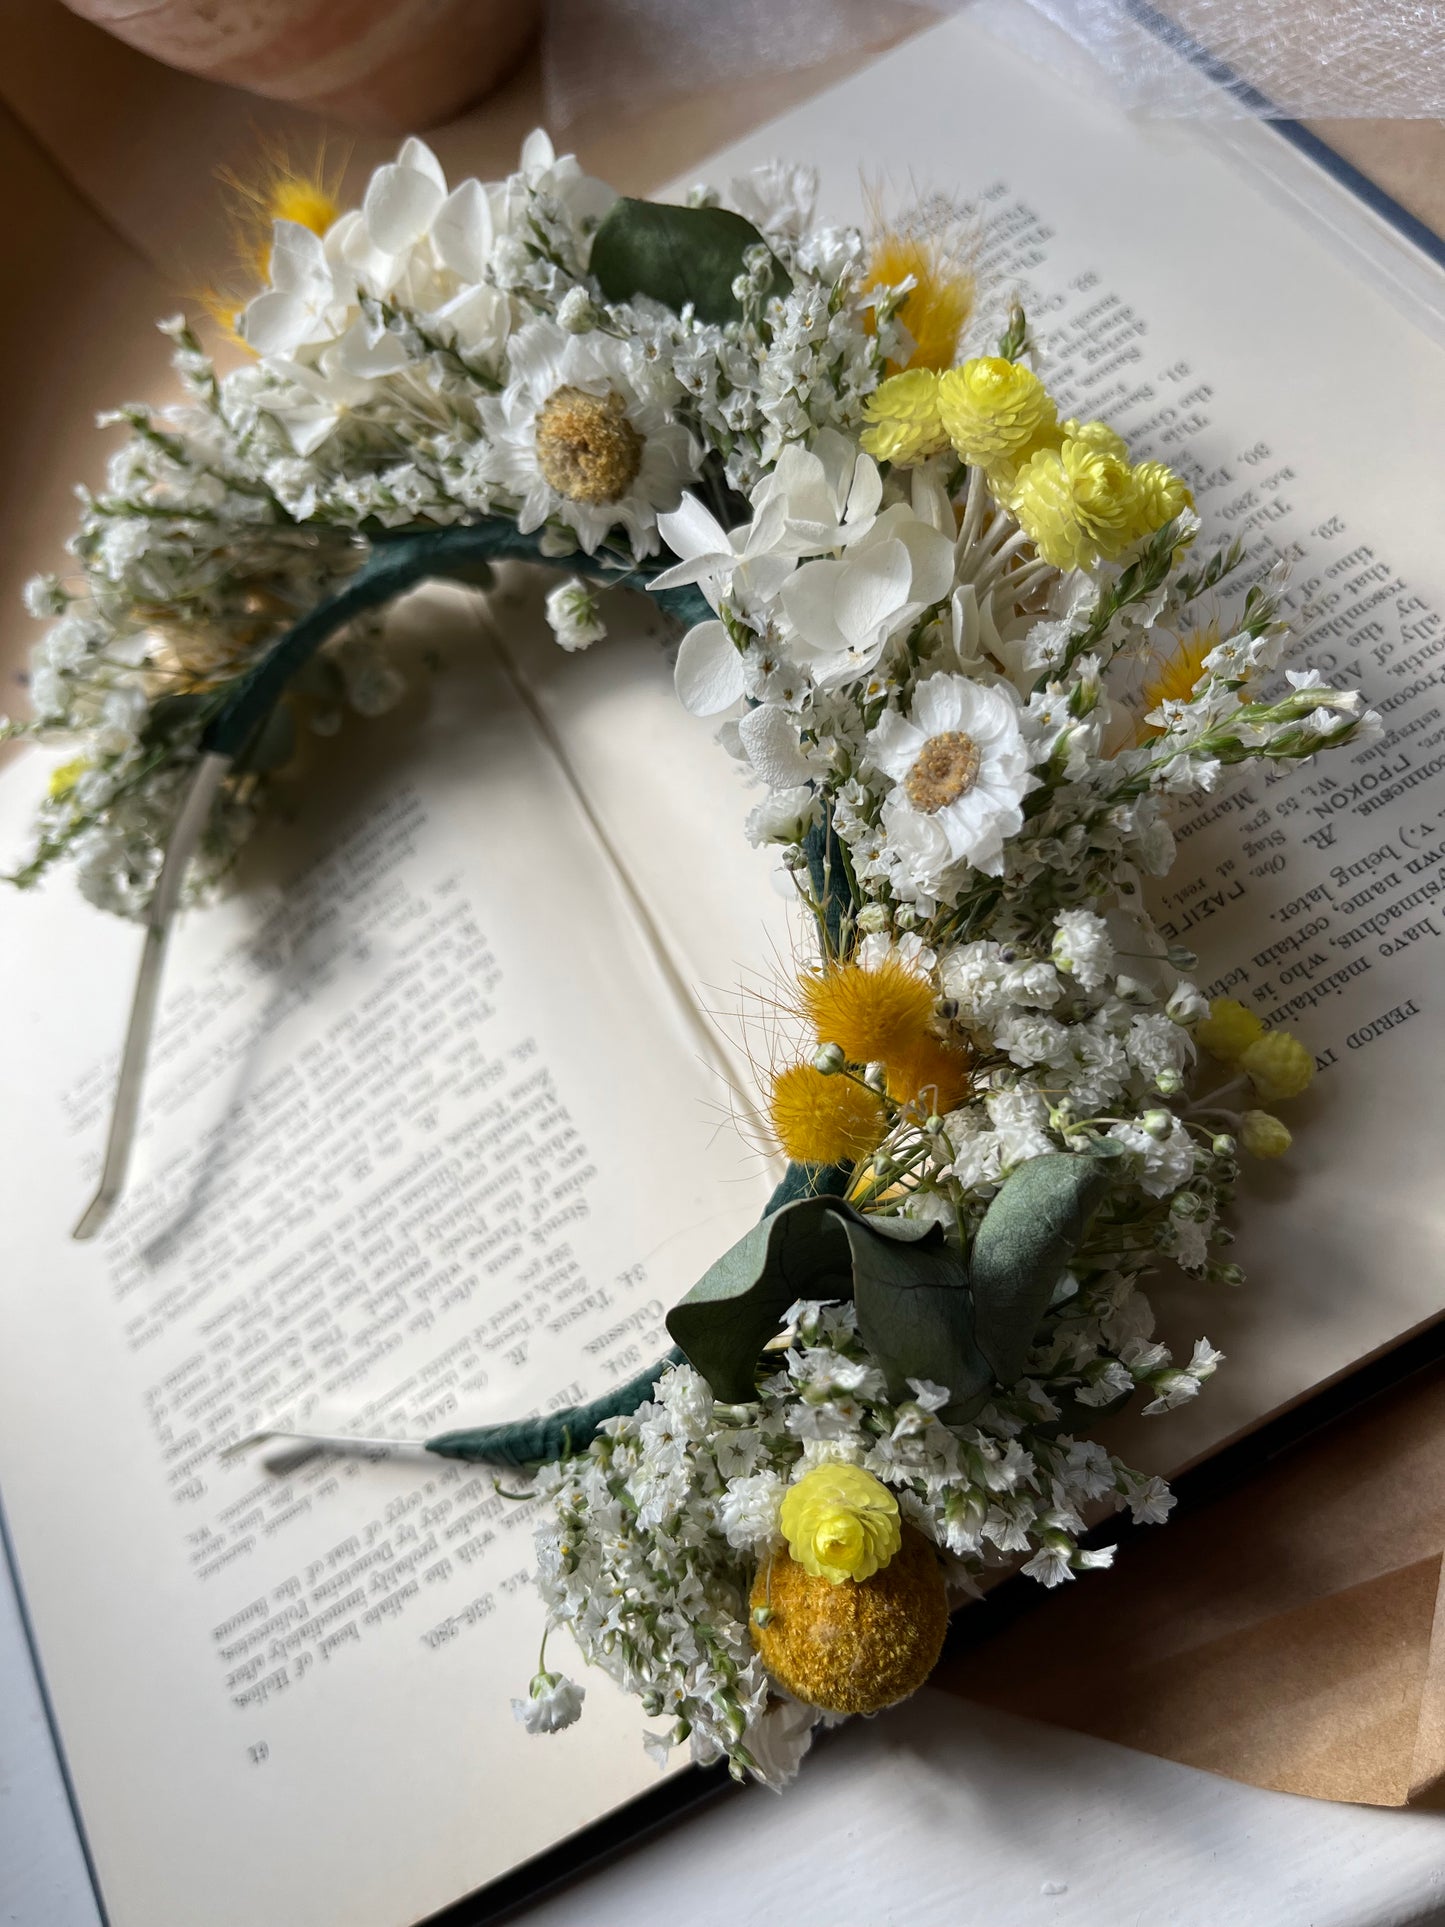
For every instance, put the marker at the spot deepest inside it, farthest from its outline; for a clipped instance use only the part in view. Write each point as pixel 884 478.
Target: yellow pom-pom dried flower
pixel 1229 1030
pixel 995 411
pixel 65 776
pixel 852 1648
pixel 1263 1136
pixel 903 419
pixel 840 1523
pixel 936 308
pixel 872 1014
pixel 1076 504
pixel 825 1120
pixel 1278 1066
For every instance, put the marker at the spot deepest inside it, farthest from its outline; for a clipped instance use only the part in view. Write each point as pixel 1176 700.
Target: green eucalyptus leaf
pixel 799 1251
pixel 674 255
pixel 915 1312
pixel 1027 1236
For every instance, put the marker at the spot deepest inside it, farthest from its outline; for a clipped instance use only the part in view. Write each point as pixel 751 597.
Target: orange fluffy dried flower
pixel 825 1120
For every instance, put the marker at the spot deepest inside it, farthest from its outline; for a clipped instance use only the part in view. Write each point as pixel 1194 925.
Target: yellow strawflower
pixel 903 417
pixel 1264 1136
pixel 936 308
pixel 1229 1030
pixel 1278 1066
pixel 1159 495
pixel 820 1119
pixel 840 1523
pixel 872 1015
pixel 1097 435
pixel 995 411
pixel 1075 503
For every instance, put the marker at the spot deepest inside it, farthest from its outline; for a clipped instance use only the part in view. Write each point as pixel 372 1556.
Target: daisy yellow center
pixel 586 447
pixel 947 768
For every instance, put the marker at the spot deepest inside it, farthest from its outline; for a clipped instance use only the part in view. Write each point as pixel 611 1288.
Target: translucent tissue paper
pixel 1301 59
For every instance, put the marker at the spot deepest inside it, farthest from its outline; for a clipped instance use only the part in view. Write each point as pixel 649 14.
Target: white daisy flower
pixel 574 442
pixel 962 771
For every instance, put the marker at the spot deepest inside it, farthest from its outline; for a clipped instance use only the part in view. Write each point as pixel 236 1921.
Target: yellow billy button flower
pixel 840 1523
pixel 995 411
pixel 1076 503
pixel 903 419
pixel 1263 1136
pixel 1278 1066
pixel 1229 1030
pixel 820 1119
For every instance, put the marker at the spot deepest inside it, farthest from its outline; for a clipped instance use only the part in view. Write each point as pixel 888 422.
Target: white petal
pixel 298 259
pixel 943 703
pixel 274 323
pixel 462 231
pixel 894 744
pixel 361 356
pixel 416 154
pixel 871 593
pixel 538 153
pixel 399 205
pixel 808 600
pixel 709 673
pixel 770 738
pixel 866 491
pixel 932 556
pixel 692 530
pixel 477 318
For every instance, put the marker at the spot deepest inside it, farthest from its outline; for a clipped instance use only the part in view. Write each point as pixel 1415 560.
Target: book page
pixel 433 1136
pixel 430 1139
pixel 1174 299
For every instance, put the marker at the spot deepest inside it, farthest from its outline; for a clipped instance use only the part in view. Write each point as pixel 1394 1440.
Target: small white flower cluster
pixel 438 356
pixel 650 1540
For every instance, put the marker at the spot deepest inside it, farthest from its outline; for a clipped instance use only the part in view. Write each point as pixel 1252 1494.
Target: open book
pixel 401 1168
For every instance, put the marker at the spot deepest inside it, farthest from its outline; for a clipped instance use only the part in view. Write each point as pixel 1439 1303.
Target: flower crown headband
pixel 963 646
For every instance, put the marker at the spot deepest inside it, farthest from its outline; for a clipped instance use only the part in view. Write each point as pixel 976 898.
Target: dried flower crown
pixel 963 647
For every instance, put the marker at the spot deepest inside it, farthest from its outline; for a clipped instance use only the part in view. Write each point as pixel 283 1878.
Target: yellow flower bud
pixel 1278 1066
pixel 1264 1136
pixel 1076 503
pixel 903 413
pixel 1229 1030
pixel 840 1523
pixel 995 411
pixel 65 776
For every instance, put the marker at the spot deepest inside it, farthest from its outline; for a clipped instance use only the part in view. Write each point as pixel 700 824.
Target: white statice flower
pixel 960 767
pixel 1167 1162
pixel 571 440
pixel 748 1510
pixel 1083 947
pixel 573 615
pixel 1020 1122
pixel 554 1702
